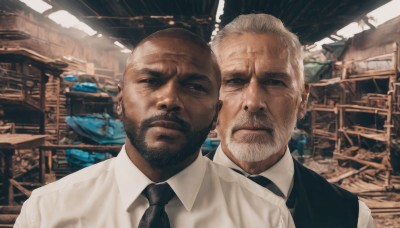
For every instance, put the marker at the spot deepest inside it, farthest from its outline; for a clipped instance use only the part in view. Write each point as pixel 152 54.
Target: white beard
pixel 253 150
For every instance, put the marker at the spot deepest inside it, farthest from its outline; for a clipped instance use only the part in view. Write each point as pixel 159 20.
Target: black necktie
pixel 158 196
pixel 264 182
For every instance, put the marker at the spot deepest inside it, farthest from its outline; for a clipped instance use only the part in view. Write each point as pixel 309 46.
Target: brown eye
pixel 274 82
pixel 196 87
pixel 234 81
pixel 151 81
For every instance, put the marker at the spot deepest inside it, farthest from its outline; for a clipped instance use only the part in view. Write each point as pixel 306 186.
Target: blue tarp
pixel 71 78
pixel 85 87
pixel 99 128
pixel 80 159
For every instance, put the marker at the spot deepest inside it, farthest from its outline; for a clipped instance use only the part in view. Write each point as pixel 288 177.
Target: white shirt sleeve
pixel 22 220
pixel 365 219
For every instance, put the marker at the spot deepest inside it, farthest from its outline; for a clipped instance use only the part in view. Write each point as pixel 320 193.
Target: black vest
pixel 317 203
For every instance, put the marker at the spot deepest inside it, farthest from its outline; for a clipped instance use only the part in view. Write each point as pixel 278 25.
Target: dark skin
pixel 168 77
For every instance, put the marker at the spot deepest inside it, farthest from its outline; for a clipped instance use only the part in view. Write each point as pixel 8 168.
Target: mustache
pixel 252 121
pixel 183 125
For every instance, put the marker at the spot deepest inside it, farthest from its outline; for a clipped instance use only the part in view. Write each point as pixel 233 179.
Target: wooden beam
pixel 346 175
pixel 20 187
pixel 367 163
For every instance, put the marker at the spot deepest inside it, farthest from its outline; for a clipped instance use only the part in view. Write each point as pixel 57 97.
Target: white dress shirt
pixel 108 194
pixel 282 173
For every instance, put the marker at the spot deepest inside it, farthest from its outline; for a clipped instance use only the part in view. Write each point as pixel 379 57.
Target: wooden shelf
pixel 324 134
pixel 324 108
pixel 365 109
pixel 375 136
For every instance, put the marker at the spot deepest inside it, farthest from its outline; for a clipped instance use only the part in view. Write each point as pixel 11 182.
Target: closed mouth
pixel 252 129
pixel 167 124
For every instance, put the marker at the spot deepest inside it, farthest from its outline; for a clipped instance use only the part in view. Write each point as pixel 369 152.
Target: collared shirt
pixel 282 175
pixel 108 194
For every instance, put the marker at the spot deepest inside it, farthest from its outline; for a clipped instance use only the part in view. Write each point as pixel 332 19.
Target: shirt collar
pixel 131 181
pixel 281 174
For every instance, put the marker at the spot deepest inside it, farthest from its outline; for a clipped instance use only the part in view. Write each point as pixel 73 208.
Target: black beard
pixel 161 158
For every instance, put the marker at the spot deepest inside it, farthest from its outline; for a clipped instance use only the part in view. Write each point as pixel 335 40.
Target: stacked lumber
pixel 8 215
pixel 56 111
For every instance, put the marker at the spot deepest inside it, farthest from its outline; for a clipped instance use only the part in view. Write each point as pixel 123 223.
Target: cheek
pixel 283 108
pixel 136 106
pixel 226 117
pixel 200 113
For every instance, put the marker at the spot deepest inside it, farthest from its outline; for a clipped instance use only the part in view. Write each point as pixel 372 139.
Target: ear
pixel 119 98
pixel 302 109
pixel 215 120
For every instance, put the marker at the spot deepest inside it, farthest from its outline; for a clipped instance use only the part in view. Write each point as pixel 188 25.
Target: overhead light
pixel 126 50
pixel 99 35
pixel 37 5
pixel 67 20
pixel 384 13
pixel 171 22
pixel 350 30
pixel 220 11
pixel 119 44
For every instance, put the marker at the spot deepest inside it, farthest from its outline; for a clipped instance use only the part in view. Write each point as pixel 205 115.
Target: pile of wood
pixel 56 110
pixel 356 115
pixel 8 215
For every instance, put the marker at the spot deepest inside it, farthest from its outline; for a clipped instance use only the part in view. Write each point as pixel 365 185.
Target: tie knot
pixel 158 194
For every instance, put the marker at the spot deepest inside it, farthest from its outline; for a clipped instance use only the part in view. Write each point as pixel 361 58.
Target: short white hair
pixel 266 24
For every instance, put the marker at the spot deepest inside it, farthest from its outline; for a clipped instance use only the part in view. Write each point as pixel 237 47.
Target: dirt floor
pixel 368 184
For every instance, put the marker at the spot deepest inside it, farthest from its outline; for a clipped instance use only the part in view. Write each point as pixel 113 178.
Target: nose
pixel 168 98
pixel 253 98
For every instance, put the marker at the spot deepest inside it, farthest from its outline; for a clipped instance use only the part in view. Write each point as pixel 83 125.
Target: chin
pixel 253 152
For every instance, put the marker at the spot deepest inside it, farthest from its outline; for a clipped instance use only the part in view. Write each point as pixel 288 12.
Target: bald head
pixel 177 34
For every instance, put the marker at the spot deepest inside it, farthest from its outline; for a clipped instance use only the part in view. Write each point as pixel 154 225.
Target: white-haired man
pixel 263 96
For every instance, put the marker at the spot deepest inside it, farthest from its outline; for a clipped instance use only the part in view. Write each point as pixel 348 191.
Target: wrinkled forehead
pixel 252 45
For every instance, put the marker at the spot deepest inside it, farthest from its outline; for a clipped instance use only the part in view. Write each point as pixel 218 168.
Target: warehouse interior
pixel 61 62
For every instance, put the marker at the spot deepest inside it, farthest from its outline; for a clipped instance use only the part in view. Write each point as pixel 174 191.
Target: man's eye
pixel 196 87
pixel 151 81
pixel 234 81
pixel 274 82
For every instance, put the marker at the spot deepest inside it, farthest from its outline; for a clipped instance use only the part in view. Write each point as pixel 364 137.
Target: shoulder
pixel 82 178
pixel 315 182
pixel 64 194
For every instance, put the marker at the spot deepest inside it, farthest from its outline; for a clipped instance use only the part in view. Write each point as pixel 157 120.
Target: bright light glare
pixel 350 30
pixel 119 44
pixel 385 13
pixel 125 50
pixel 318 44
pixel 37 5
pixel 377 17
pixel 68 20
pixel 220 10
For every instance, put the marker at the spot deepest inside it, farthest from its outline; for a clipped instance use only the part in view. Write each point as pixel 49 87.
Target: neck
pixel 155 174
pixel 255 167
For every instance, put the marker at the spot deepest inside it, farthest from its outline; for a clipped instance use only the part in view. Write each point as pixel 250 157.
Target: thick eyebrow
pixel 185 77
pixel 277 75
pixel 195 77
pixel 233 74
pixel 153 73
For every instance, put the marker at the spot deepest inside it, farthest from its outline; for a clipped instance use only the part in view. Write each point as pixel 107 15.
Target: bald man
pixel 168 102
